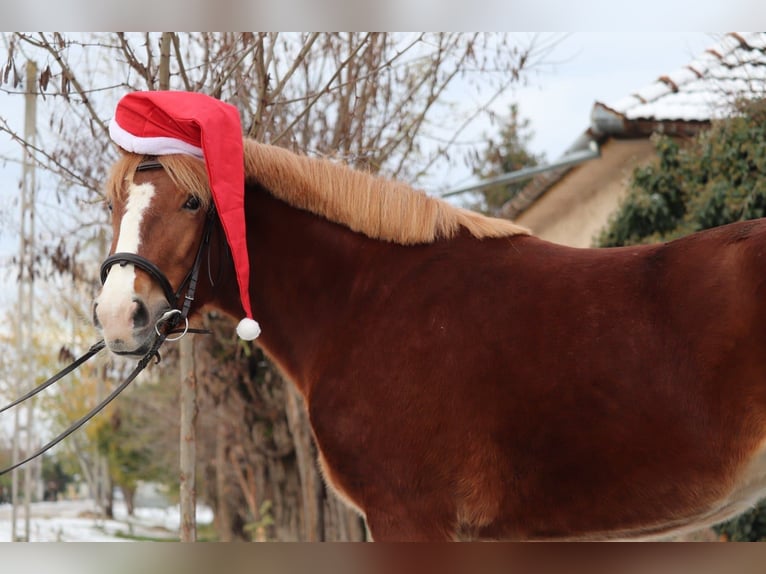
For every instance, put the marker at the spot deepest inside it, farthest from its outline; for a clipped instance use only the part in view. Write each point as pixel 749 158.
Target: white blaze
pixel 118 290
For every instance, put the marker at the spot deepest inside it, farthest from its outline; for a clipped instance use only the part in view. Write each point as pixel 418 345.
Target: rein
pixel 94 350
pixel 77 424
pixel 168 321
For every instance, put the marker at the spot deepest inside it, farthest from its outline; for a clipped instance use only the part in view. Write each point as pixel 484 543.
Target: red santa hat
pixel 164 122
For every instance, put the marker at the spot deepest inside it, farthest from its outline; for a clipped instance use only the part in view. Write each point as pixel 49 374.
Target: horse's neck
pixel 304 273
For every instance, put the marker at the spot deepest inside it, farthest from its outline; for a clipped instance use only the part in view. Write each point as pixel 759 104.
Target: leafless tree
pixel 392 103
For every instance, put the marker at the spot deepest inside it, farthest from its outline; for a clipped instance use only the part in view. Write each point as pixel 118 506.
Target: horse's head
pixel 159 213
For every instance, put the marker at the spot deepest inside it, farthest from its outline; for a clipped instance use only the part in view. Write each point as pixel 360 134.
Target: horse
pixel 463 378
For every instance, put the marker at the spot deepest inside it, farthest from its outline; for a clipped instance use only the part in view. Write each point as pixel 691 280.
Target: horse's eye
pixel 109 205
pixel 192 204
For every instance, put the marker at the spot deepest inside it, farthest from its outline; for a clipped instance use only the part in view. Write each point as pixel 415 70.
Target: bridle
pixel 175 315
pixel 164 326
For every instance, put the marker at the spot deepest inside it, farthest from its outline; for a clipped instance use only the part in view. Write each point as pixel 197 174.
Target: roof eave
pixel 606 123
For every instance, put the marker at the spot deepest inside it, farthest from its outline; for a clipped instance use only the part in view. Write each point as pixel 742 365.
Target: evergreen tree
pixel 506 153
pixel 718 178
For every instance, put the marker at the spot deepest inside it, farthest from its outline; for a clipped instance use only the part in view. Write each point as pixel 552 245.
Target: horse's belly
pixel 749 487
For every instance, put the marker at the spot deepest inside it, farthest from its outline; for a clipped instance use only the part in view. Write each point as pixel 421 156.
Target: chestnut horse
pixel 463 378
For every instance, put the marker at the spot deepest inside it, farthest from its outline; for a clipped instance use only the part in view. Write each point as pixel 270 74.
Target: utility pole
pixel 24 312
pixel 101 481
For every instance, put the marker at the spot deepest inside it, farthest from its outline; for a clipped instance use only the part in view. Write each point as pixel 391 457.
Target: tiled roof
pixel 679 103
pixel 702 90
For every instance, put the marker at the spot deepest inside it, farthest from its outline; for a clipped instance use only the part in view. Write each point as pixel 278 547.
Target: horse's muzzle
pixel 128 329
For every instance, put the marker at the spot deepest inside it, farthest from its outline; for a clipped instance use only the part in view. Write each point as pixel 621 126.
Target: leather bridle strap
pixel 173 317
pixel 156 273
pixel 123 258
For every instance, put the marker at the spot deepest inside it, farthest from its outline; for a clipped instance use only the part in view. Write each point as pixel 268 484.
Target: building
pixel 572 203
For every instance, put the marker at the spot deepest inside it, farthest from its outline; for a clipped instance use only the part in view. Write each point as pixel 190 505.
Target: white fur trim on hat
pixel 150 145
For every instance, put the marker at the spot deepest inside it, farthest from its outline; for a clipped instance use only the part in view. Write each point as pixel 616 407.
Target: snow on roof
pixel 704 89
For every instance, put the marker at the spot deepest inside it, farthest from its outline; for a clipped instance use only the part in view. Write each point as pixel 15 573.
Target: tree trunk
pixel 305 455
pixel 264 483
pixel 108 491
pixel 129 494
pixel 222 514
pixel 188 452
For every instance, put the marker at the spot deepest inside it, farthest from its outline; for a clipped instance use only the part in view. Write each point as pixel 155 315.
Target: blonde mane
pixel 372 205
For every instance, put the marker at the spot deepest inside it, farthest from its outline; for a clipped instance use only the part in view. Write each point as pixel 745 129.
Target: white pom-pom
pixel 248 329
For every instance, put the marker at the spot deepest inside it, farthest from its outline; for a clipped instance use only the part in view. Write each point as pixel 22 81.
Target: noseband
pixel 145 265
pixel 176 314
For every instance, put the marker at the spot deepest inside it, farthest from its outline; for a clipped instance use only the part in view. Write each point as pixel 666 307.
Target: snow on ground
pixel 79 521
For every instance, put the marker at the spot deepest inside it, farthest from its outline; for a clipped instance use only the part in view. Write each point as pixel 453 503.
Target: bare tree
pixel 390 103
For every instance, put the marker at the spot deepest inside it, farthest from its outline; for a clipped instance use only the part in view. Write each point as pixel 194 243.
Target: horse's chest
pixel 332 481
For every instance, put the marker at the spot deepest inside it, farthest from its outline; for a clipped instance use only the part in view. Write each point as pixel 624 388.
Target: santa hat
pixel 162 123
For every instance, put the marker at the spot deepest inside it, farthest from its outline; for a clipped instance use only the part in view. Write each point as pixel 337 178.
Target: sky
pixel 556 97
pixel 588 67
pixel 558 93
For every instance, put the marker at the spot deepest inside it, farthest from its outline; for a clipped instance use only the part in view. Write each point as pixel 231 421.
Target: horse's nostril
pixel 96 322
pixel 140 315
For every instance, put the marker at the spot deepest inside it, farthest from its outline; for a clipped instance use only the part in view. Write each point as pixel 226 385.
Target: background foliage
pixel 504 153
pixel 717 178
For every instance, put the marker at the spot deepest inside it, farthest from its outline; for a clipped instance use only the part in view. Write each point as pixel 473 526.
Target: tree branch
pixel 311 104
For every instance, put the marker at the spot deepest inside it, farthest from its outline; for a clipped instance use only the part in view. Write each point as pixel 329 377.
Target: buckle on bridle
pixel 189 282
pixel 167 316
